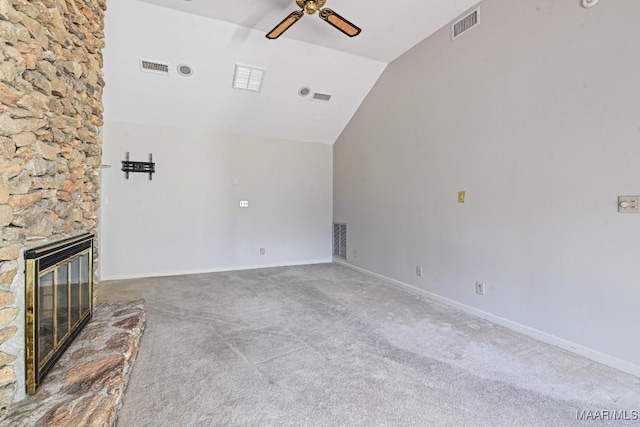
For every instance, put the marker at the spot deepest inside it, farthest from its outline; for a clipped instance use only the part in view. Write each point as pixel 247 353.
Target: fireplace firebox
pixel 59 301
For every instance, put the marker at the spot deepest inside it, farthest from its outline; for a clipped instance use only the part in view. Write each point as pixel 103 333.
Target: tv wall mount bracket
pixel 138 167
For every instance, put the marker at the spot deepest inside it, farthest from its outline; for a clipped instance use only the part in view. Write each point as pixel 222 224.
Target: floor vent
pixel 154 67
pixel 340 240
pixel 463 25
pixel 322 97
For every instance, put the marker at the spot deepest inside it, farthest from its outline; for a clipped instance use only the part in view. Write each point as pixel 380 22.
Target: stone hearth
pixel 85 387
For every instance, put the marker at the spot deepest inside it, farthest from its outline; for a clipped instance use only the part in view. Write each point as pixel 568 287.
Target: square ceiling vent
pixel 248 77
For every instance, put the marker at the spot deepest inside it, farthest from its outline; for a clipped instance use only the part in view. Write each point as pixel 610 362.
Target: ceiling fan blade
pixel 285 24
pixel 339 22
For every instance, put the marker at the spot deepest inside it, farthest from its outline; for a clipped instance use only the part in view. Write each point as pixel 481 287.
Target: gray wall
pixel 188 218
pixel 536 114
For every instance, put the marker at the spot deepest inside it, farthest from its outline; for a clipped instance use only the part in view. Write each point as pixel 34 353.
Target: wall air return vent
pixel 321 97
pixel 465 24
pixel 340 240
pixel 154 67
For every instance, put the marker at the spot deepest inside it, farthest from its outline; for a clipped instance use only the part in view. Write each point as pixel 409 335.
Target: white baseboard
pixel 208 270
pixel 570 346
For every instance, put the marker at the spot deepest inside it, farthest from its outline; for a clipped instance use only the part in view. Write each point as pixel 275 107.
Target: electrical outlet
pixel 262 251
pixel 629 204
pixel 244 203
pixel 418 271
pixel 480 288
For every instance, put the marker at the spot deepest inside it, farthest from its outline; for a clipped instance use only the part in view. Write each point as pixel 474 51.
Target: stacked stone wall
pixel 50 148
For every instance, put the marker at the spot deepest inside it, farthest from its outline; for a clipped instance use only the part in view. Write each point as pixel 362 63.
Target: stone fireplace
pixel 50 149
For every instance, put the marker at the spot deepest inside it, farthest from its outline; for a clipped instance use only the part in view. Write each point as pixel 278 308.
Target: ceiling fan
pixel 310 7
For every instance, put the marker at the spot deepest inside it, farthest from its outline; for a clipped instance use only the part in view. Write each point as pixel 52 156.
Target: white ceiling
pixel 388 28
pixel 214 35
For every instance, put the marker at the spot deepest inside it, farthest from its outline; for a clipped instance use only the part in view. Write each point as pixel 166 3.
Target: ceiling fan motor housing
pixel 311 6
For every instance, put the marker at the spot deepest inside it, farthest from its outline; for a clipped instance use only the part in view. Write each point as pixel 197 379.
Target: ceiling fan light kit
pixel 310 7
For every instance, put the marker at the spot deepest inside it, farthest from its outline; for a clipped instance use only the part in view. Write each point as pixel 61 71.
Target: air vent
pixel 322 97
pixel 463 25
pixel 248 77
pixel 340 240
pixel 154 67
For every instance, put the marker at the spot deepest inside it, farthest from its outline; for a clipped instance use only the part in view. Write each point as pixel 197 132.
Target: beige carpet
pixel 323 345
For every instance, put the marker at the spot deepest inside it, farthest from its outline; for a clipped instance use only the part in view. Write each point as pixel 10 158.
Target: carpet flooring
pixel 323 345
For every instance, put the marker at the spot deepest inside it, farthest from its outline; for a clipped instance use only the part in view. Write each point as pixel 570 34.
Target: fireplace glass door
pixel 63 302
pixel 59 296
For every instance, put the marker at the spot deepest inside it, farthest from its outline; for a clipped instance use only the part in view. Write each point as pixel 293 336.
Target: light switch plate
pixel 629 204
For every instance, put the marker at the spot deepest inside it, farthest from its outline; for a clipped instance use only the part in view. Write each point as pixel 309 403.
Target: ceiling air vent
pixel 154 67
pixel 321 97
pixel 465 24
pixel 248 77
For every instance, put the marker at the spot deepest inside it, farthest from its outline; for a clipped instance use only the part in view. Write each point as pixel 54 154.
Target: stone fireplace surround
pixel 50 149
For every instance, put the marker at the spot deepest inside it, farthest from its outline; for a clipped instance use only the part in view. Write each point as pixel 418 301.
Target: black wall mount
pixel 143 167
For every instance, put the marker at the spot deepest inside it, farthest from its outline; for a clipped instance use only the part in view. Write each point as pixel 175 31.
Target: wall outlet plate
pixel 480 288
pixel 461 196
pixel 244 203
pixel 629 204
pixel 418 271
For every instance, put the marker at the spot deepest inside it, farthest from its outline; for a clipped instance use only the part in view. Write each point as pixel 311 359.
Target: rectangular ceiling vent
pixel 154 67
pixel 248 77
pixel 465 24
pixel 321 97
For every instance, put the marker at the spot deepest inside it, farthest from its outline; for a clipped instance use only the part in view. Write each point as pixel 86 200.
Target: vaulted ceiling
pixel 212 36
